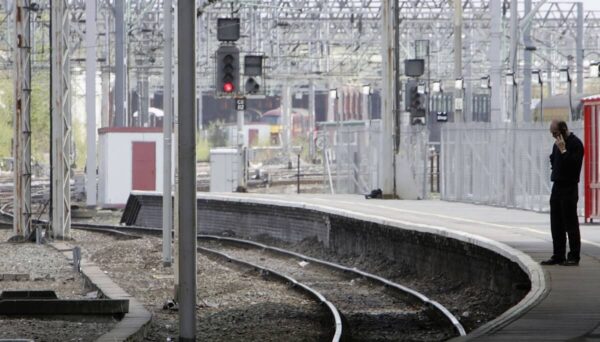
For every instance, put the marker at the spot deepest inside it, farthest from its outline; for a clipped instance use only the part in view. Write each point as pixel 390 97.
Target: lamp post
pixel 332 97
pixel 541 84
pixel 594 70
pixel 484 83
pixel 422 51
pixel 565 77
pixel 512 81
pixel 437 87
pixel 366 92
pixel 459 84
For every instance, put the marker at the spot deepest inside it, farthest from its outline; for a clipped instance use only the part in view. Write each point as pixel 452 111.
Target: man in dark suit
pixel 565 160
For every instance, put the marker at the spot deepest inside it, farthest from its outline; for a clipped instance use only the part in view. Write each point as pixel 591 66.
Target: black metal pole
pixel 50 198
pixel 186 72
pixel 298 175
pixel 541 101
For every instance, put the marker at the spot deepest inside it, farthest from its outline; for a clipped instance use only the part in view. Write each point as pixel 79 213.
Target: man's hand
pixel 560 143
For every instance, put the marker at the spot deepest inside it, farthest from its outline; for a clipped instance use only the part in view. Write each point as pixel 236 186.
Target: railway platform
pixel 566 306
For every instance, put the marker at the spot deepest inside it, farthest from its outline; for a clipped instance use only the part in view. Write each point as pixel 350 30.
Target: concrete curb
pixel 134 325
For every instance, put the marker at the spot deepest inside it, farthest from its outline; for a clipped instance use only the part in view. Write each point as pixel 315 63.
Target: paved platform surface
pixel 570 308
pixel 132 326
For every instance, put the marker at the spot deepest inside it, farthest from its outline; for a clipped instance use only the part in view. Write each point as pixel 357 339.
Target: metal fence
pixel 412 163
pixel 499 164
pixel 351 153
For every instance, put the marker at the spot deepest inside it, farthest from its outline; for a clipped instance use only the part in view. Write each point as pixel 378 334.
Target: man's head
pixel 559 127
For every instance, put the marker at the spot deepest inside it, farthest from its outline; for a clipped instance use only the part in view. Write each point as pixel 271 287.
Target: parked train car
pixel 300 123
pixel 558 107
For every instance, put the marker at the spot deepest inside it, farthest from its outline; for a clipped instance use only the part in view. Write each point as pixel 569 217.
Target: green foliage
pixel 217 135
pixel 6 114
pixel 202 149
pixel 40 118
pixel 303 143
pixel 80 142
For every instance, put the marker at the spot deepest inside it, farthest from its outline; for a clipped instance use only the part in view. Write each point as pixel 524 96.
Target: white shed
pixel 130 159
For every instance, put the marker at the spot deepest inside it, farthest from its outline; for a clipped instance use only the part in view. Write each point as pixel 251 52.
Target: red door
pixel 143 170
pixel 253 137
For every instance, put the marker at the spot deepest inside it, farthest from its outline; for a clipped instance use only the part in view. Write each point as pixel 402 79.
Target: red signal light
pixel 228 87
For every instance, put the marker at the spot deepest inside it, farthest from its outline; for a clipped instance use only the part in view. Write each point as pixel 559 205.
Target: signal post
pixel 228 82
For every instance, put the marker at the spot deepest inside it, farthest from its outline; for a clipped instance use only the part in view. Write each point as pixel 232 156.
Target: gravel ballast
pixel 47 269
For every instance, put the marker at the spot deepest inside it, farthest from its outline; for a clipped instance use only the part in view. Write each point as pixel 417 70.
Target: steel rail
pixel 337 318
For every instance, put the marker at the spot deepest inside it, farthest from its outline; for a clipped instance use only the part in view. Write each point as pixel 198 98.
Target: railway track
pixel 361 306
pixel 371 308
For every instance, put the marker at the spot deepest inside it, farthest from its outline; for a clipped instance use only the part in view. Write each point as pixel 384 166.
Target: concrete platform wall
pixel 429 255
pixel 250 219
pixel 425 254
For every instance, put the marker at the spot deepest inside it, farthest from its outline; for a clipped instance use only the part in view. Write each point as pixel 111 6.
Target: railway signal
pixel 227 70
pixel 253 71
pixel 416 101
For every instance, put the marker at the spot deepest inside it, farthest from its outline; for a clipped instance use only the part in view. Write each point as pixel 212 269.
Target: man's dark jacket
pixel 566 167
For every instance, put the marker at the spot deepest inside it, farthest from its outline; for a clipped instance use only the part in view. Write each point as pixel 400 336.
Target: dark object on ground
pixel 376 193
pixel 35 302
pixel 171 305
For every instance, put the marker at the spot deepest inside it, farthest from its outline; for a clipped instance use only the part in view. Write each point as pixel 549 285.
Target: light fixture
pixel 437 86
pixel 421 89
pixel 564 75
pixel 510 79
pixel 459 84
pixel 366 89
pixel 539 75
pixel 594 70
pixel 485 83
pixel 333 94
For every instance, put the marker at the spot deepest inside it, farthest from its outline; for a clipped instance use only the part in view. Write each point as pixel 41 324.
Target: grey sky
pixel 589 4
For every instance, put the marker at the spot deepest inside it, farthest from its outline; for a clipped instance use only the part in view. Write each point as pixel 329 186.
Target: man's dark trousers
pixel 564 221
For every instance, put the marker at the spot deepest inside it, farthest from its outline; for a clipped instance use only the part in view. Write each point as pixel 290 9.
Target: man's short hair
pixel 562 126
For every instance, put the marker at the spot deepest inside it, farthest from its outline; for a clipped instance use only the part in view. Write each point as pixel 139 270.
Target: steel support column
pixel 527 67
pixel 286 119
pixel 386 166
pixel 120 66
pixel 458 23
pixel 186 70
pixel 22 125
pixel 579 48
pixel 311 118
pixel 61 121
pixel 167 134
pixel 495 57
pixel 90 102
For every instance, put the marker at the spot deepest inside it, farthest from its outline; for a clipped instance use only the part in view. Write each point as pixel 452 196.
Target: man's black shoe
pixel 552 261
pixel 570 262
